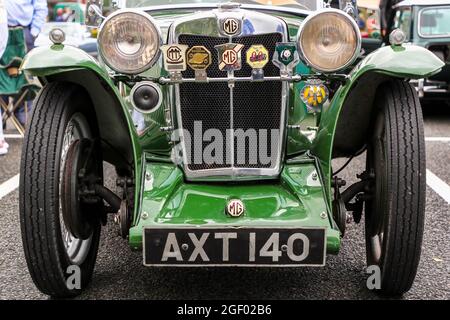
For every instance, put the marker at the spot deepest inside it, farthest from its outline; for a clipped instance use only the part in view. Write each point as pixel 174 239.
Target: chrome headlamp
pixel 129 41
pixel 329 40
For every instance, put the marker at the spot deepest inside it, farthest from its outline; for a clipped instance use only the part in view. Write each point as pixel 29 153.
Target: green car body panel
pixel 297 200
pixel 300 197
pixel 407 61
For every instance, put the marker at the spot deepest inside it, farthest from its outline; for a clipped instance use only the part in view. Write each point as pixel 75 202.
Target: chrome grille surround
pixel 208 24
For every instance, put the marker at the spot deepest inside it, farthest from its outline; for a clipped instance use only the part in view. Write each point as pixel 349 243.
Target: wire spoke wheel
pixel 62 117
pixel 76 249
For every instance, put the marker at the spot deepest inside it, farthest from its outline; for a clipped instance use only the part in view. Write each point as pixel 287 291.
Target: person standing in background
pixel 31 16
pixel 59 15
pixel 386 14
pixel 3 41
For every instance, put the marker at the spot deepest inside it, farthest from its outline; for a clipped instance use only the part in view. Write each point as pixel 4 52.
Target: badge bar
pixel 177 57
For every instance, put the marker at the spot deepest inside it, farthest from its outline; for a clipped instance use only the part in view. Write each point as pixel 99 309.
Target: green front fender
pixel 44 61
pixel 348 114
pixel 70 64
pixel 406 61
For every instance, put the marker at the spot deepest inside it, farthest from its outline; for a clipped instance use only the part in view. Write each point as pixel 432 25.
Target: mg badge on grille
pixel 199 59
pixel 230 57
pixel 257 58
pixel 174 57
pixel 231 26
pixel 235 208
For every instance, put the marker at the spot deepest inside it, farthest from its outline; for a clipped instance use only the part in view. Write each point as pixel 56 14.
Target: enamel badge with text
pixel 314 94
pixel 174 57
pixel 199 59
pixel 230 56
pixel 257 57
pixel 286 57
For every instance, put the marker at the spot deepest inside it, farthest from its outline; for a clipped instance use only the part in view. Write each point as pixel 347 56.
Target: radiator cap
pixel 229 6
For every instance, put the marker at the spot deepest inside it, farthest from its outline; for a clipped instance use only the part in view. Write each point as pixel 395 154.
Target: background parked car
pixel 426 23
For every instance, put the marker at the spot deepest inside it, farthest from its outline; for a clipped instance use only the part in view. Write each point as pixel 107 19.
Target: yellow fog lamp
pixel 314 94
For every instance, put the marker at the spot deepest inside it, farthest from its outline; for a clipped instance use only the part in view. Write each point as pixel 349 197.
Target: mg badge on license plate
pixel 257 58
pixel 235 208
pixel 231 26
pixel 230 56
pixel 199 59
pixel 174 58
pixel 286 57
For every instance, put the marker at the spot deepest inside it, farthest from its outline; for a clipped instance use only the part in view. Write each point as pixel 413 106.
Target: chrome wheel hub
pixel 76 249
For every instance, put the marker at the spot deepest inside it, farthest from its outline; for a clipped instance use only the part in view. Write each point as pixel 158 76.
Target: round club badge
pixel 235 208
pixel 199 58
pixel 314 94
pixel 257 56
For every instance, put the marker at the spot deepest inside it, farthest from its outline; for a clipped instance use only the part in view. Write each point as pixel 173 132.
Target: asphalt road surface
pixel 119 273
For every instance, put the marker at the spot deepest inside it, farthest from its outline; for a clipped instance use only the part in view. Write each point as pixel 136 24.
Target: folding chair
pixel 15 86
pixel 26 93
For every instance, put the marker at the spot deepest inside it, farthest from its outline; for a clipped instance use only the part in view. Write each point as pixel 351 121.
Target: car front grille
pixel 255 105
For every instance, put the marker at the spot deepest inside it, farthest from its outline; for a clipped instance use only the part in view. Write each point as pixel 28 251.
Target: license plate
pixel 234 247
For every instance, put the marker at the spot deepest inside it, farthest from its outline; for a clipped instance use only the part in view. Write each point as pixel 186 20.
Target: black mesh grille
pixel 256 105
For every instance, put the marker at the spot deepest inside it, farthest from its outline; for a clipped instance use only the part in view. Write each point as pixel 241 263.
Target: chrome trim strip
pixel 206 6
pixel 263 24
pixel 231 137
pixel 294 78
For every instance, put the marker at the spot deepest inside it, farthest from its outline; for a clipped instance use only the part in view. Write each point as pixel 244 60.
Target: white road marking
pixel 439 186
pixel 437 139
pixel 9 186
pixel 12 136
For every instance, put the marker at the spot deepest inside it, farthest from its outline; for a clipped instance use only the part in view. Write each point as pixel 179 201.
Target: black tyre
pixel 61 118
pixel 394 217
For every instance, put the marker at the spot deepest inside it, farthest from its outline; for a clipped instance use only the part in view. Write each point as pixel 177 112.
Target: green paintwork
pixel 406 61
pixel 296 201
pixel 47 61
pixel 292 200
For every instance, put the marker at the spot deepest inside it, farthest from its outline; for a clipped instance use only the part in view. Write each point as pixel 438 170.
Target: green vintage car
pixel 222 120
pixel 426 23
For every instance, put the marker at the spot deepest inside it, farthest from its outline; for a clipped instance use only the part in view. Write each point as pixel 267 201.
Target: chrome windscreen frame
pixel 263 24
